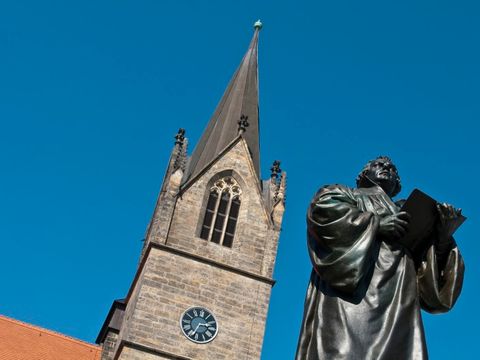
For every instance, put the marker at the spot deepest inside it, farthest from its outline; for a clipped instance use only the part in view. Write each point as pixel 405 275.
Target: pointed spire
pixel 239 103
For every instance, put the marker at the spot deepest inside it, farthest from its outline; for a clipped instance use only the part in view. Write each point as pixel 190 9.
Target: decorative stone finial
pixel 275 169
pixel 242 124
pixel 180 155
pixel 180 137
pixel 258 24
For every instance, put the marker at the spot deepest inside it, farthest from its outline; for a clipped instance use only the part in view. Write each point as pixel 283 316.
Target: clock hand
pixel 194 331
pixel 200 324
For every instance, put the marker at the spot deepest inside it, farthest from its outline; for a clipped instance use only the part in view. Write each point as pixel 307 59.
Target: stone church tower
pixel 203 284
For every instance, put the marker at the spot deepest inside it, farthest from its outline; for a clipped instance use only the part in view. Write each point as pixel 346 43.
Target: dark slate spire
pixel 235 115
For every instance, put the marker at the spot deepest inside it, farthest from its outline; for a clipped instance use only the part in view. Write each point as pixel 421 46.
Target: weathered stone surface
pixel 108 345
pixel 171 281
pixel 255 239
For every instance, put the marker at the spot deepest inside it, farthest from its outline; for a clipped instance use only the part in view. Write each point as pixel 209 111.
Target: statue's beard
pixel 387 184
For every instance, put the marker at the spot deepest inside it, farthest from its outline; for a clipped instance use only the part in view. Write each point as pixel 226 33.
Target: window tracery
pixel 221 212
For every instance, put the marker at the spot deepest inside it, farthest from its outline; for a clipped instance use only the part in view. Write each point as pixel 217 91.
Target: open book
pixel 424 216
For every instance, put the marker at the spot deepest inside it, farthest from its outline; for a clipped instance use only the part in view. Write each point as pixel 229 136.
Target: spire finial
pixel 258 25
pixel 180 137
pixel 275 169
pixel 242 124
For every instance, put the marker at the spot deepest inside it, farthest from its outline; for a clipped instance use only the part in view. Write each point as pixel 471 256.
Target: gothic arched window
pixel 222 210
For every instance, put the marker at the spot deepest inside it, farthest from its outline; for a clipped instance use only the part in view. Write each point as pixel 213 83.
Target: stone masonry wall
pixel 171 283
pixel 253 232
pixel 134 354
pixel 108 345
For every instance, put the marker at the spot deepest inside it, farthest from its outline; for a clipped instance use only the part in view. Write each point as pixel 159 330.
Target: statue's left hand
pixel 446 224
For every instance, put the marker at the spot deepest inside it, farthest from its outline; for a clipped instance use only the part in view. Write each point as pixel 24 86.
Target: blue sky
pixel 92 93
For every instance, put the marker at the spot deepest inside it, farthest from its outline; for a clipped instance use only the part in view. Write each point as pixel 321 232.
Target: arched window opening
pixel 232 222
pixel 221 213
pixel 209 213
pixel 220 219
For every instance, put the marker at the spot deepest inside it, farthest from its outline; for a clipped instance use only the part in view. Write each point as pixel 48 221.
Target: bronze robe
pixel 364 297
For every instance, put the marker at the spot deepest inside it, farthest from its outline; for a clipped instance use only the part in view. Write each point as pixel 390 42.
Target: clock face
pixel 199 325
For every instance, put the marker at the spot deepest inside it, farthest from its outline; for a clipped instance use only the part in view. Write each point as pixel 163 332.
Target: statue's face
pixel 383 173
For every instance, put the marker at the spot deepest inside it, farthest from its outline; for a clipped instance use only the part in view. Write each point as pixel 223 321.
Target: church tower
pixel 203 283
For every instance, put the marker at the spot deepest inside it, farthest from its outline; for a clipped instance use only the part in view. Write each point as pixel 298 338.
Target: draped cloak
pixel 365 294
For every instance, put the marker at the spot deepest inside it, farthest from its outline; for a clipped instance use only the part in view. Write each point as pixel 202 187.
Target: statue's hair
pixel 363 181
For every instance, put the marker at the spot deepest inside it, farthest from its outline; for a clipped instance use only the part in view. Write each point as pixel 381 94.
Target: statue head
pixel 382 172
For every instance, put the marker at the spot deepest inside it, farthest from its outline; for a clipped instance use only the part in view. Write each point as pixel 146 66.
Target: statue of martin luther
pixel 365 293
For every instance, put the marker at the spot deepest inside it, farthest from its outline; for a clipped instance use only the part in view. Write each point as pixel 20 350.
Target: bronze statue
pixel 365 293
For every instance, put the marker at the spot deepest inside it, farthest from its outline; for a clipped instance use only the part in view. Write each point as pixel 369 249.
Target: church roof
pixel 21 341
pixel 240 100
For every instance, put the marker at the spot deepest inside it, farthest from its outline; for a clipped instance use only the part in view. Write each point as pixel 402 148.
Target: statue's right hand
pixel 394 226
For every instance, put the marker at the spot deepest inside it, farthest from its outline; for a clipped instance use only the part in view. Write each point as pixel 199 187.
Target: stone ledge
pixel 149 350
pixel 197 258
pixel 214 263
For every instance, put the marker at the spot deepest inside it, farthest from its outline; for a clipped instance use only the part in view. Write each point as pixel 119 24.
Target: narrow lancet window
pixel 210 211
pixel 221 213
pixel 231 223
